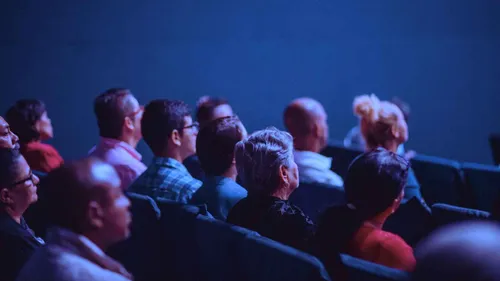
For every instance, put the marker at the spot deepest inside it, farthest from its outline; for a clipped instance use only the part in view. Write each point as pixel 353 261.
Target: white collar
pixel 309 158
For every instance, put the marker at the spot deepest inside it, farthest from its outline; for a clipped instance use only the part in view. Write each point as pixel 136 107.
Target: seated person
pixel 215 148
pixel 17 192
pixel 374 189
pixel 355 139
pixel 460 252
pixel 119 120
pixel 7 138
pixel 169 130
pixel 28 119
pixel 207 109
pixel 305 119
pixel 382 124
pixel 89 213
pixel 267 170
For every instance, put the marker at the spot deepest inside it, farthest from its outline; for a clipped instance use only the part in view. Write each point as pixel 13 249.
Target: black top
pixel 17 244
pixel 274 218
pixel 193 165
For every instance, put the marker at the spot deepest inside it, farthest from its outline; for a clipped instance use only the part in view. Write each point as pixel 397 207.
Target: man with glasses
pixel 119 120
pixel 168 129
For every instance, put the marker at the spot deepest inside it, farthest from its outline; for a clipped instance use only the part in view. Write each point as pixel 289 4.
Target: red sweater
pixel 373 244
pixel 41 157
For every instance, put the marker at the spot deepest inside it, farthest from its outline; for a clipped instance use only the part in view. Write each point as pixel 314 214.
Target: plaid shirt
pixel 166 178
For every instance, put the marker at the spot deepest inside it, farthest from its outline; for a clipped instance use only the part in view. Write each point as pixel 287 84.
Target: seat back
pixel 341 157
pixel 314 198
pixel 266 259
pixel 361 270
pixel 483 182
pixel 142 253
pixel 440 180
pixel 494 140
pixel 412 221
pixel 443 214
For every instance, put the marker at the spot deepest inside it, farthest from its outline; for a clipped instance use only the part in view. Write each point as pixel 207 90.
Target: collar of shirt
pixel 169 163
pixel 312 160
pixel 108 143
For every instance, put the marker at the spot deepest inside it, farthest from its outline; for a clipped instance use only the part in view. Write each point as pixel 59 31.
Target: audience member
pixel 460 252
pixel 267 169
pixel 374 189
pixel 169 131
pixel 305 119
pixel 119 120
pixel 28 119
pixel 382 124
pixel 17 192
pixel 215 148
pixel 207 109
pixel 7 138
pixel 89 213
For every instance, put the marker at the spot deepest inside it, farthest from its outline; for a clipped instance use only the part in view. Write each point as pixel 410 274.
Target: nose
pixel 36 180
pixel 15 138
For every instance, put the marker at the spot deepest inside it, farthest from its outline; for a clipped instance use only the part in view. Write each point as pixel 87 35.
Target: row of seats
pixel 441 180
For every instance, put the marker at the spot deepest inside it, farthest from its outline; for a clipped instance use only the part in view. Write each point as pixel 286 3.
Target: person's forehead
pixel 22 168
pixel 222 110
pixel 3 123
pixel 105 175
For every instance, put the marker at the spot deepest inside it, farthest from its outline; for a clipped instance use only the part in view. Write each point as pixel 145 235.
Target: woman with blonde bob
pixel 382 124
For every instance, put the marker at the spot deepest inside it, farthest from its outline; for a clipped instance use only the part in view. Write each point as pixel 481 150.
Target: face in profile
pixel 135 116
pixel 188 139
pixel 44 127
pixel 293 174
pixel 21 192
pixel 7 138
pixel 321 122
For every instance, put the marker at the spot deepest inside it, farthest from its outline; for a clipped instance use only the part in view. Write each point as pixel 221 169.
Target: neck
pixel 281 193
pixel 391 146
pixel 13 214
pixel 130 140
pixel 231 173
pixel 174 154
pixel 379 220
pixel 94 237
pixel 306 143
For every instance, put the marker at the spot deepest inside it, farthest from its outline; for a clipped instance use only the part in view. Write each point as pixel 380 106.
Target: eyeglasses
pixel 194 125
pixel 29 178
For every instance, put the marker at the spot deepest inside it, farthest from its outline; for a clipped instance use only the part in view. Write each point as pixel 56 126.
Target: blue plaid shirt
pixel 166 178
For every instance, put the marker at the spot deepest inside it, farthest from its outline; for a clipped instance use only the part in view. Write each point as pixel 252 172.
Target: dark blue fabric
pixel 440 180
pixel 494 140
pixel 443 214
pixel 483 182
pixel 341 157
pixel 266 259
pixel 314 198
pixel 361 270
pixel 142 253
pixel 193 165
pixel 411 221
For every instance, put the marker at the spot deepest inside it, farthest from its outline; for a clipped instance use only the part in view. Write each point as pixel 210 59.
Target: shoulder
pixel 69 266
pixel 395 251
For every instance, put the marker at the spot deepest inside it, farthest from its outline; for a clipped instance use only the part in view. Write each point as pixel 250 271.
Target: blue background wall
pixel 442 56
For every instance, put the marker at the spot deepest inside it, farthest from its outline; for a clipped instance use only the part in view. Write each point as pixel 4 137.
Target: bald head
pixel 305 118
pixel 460 252
pixel 72 188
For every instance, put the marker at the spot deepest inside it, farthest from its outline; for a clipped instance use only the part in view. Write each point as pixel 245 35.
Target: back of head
pixel 111 108
pixel 22 118
pixel 461 252
pixel 299 116
pixel 381 121
pixel 259 157
pixel 72 187
pixel 215 144
pixel 374 183
pixel 206 106
pixel 8 160
pixel 161 117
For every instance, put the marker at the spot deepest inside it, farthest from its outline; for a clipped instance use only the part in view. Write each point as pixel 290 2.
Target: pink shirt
pixel 122 156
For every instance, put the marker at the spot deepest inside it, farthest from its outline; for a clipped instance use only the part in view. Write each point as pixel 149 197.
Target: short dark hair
pixel 110 110
pixel 205 108
pixel 8 159
pixel 161 117
pixel 22 118
pixel 215 144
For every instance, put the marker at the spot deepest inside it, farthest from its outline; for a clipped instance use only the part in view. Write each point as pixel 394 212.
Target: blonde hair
pixel 381 119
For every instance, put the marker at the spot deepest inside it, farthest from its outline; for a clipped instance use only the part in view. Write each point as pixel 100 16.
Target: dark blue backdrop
pixel 441 56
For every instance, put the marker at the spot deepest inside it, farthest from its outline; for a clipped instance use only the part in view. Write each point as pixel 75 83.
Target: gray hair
pixel 259 157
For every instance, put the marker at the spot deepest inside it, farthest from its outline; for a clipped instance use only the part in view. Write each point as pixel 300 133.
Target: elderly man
pixel 305 119
pixel 7 138
pixel 90 213
pixel 266 167
pixel 119 119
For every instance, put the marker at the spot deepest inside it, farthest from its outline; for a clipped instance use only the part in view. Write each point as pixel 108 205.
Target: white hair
pixel 259 157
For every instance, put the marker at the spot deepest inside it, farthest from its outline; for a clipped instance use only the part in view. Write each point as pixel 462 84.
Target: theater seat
pixel 341 157
pixel 142 252
pixel 440 180
pixel 361 270
pixel 483 182
pixel 494 140
pixel 443 214
pixel 314 198
pixel 265 259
